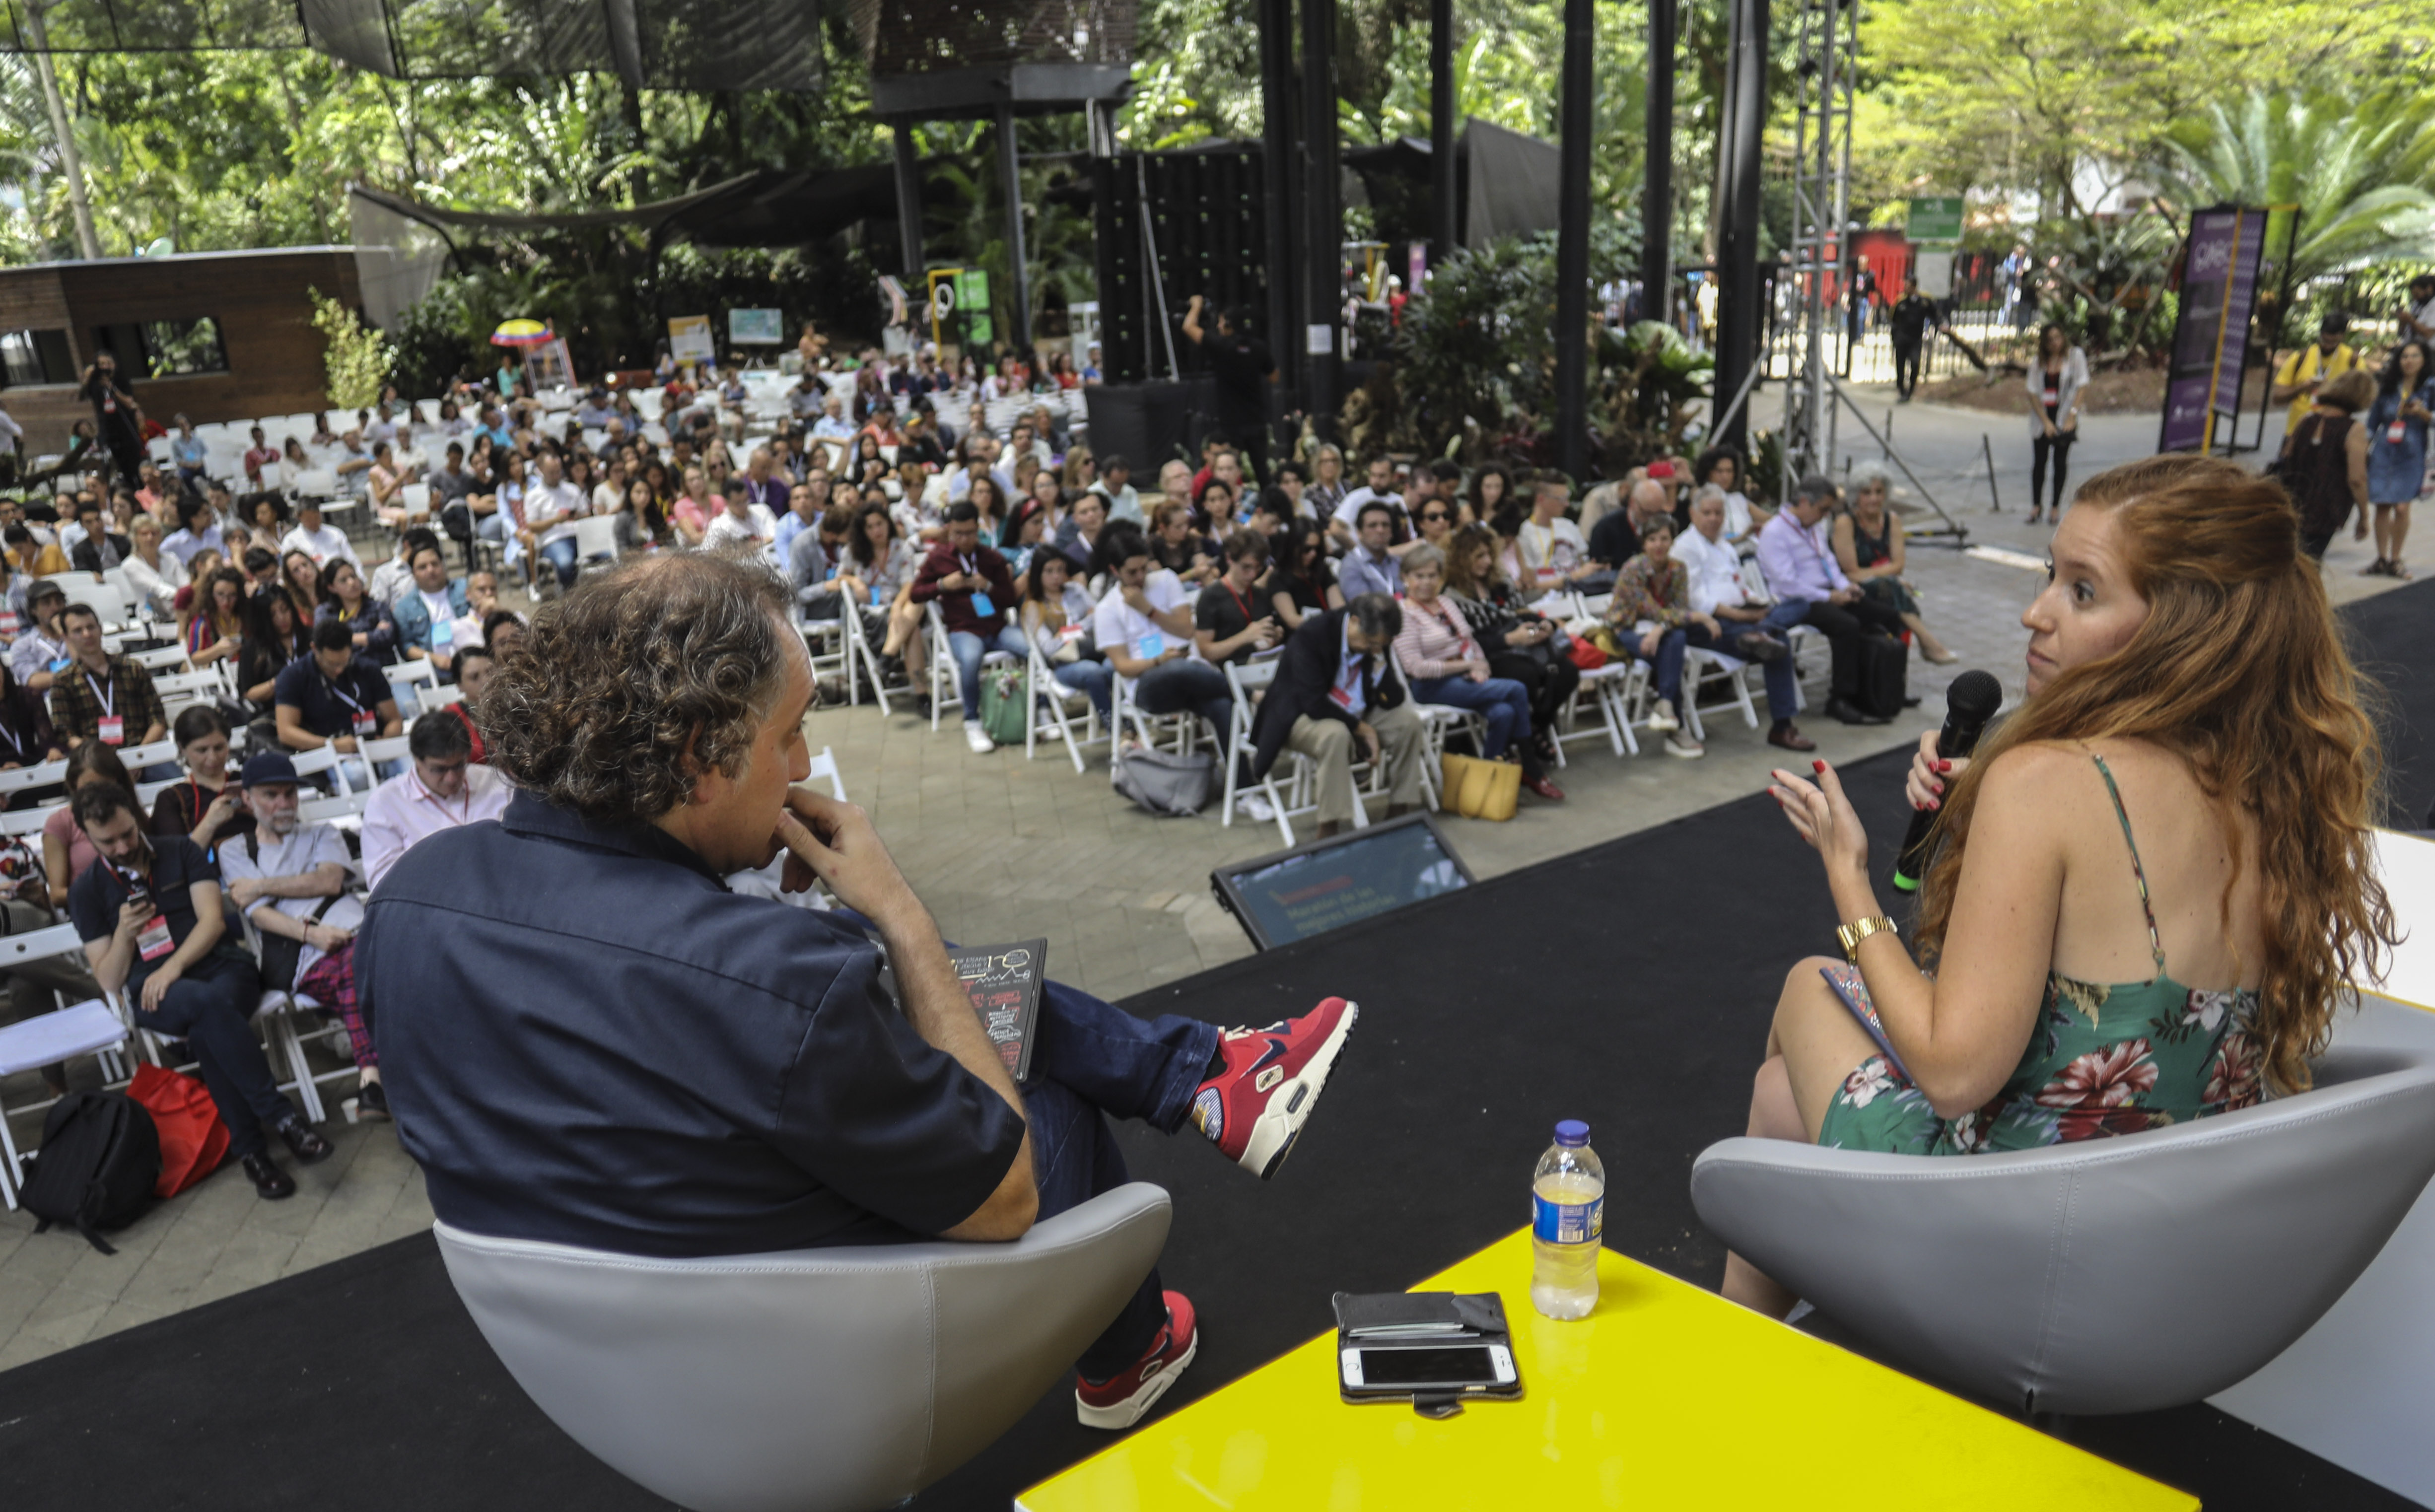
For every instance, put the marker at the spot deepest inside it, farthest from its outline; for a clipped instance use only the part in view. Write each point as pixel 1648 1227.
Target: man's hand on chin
pixel 835 843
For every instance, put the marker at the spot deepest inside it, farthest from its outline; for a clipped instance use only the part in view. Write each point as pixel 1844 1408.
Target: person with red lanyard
pixel 1446 667
pixel 976 596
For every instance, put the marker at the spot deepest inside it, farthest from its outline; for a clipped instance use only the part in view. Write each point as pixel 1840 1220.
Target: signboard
pixel 549 366
pixel 2211 334
pixel 972 296
pixel 690 340
pixel 756 328
pixel 1324 885
pixel 1935 218
pixel 1934 271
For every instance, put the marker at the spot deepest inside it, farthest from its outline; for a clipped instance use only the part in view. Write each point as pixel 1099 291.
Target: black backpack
pixel 99 1160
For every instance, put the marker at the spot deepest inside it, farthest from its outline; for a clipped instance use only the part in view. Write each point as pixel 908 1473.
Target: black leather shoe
pixel 371 1101
pixel 1848 713
pixel 271 1183
pixel 311 1148
pixel 1790 738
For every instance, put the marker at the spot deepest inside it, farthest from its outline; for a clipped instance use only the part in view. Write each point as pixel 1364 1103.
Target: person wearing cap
pixel 149 913
pixel 290 880
pixel 41 653
pixel 445 789
pixel 2308 370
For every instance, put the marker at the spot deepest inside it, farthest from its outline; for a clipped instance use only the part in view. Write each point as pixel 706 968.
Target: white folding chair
pixel 43 774
pixel 89 1028
pixel 1050 715
pixel 161 659
pixel 1703 669
pixel 1439 720
pixel 136 758
pixel 865 656
pixel 279 1045
pixel 405 681
pixel 1158 731
pixel 177 689
pixel 1296 795
pixel 344 810
pixel 314 764
pixel 825 765
pixel 826 641
pixel 416 499
pixel 942 666
pixel 20 824
pixel 315 482
pixel 595 541
pixel 146 792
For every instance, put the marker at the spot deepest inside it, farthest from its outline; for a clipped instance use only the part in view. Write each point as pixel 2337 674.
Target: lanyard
pixel 105 699
pixel 972 567
pixel 340 693
pixel 14 744
pixel 1248 618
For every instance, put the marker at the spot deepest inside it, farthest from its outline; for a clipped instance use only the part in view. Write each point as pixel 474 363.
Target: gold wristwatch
pixel 1852 933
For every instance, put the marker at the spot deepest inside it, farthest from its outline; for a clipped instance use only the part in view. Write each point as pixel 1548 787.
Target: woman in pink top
pixel 66 853
pixel 696 507
pixel 1445 665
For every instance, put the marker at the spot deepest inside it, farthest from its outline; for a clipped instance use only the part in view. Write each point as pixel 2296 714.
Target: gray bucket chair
pixel 814 1380
pixel 2111 1276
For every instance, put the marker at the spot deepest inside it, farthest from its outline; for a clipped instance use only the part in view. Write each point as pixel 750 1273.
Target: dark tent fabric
pixel 769 208
pixel 1509 179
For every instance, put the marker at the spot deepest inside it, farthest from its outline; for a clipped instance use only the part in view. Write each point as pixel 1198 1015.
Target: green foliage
pixel 1474 362
pixel 358 360
pixel 2362 172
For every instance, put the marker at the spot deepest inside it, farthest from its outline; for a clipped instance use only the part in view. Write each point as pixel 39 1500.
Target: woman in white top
pixel 608 494
pixel 385 482
pixel 152 573
pixel 1057 620
pixel 878 575
pixel 2055 380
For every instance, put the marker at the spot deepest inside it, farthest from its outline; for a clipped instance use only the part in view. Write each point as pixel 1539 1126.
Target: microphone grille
pixel 1974 694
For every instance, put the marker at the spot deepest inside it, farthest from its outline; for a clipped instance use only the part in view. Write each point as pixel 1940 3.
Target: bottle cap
pixel 1572 1131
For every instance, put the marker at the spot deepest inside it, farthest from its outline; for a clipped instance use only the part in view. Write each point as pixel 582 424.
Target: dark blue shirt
pixel 587 1039
pixel 178 864
pixel 329 708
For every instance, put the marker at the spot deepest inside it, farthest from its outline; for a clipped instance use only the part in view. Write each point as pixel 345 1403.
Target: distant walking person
pixel 1910 320
pixel 1241 364
pixel 2056 378
pixel 2396 458
pixel 2324 461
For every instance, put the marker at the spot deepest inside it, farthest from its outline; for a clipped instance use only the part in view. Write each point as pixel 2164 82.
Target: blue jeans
pixel 1092 1060
pixel 561 556
pixel 968 649
pixel 1086 676
pixel 1668 660
pixel 1505 702
pixel 1783 686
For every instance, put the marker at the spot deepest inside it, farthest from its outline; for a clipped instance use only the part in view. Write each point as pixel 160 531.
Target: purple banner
pixel 2211 334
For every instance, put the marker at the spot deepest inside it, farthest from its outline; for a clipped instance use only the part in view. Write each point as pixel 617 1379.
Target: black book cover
pixel 1002 982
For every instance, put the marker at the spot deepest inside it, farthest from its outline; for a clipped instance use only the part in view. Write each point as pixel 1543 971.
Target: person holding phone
pixel 149 913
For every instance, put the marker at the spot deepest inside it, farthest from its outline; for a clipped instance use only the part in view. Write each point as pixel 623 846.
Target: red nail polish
pixel 1818 767
pixel 1944 766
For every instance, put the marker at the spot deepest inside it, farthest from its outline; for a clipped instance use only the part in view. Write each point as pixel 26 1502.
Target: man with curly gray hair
pixel 587 1039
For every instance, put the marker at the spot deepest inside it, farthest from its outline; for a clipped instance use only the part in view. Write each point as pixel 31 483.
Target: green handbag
pixel 1006 704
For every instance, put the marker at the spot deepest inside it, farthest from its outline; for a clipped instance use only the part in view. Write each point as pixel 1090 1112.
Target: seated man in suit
pixel 100 548
pixel 1333 688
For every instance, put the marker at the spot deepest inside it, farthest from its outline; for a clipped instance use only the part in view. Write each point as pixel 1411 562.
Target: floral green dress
pixel 2104 1059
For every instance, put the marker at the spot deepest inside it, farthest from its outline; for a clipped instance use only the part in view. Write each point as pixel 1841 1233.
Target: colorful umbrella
pixel 522 333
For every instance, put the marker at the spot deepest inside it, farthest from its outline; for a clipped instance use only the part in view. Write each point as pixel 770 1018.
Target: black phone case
pixel 1464 1320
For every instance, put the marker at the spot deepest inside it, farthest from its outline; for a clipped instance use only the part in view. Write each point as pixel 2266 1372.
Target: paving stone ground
pixel 1005 848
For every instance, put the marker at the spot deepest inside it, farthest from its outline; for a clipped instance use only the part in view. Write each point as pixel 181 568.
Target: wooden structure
pixel 211 335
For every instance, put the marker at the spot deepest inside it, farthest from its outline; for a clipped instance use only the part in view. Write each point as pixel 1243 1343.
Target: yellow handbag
pixel 1480 789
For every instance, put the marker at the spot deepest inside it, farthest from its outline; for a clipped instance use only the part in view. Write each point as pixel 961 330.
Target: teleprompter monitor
pixel 1324 885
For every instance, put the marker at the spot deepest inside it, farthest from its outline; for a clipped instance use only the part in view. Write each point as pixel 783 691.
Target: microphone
pixel 1969 704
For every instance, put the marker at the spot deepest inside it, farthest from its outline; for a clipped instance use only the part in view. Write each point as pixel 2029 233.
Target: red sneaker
pixel 1121 1402
pixel 1254 1109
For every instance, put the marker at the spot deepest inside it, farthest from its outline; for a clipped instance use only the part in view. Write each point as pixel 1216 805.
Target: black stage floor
pixel 1629 984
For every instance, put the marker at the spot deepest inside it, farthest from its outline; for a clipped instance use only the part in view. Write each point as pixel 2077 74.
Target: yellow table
pixel 1665 1396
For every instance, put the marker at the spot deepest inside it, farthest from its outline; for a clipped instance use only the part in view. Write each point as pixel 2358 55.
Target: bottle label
pixel 1567 1223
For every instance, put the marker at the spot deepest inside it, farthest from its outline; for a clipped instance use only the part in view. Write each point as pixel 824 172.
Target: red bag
pixel 194 1141
pixel 1585 656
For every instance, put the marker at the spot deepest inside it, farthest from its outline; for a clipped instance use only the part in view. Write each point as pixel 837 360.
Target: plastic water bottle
pixel 1567 1214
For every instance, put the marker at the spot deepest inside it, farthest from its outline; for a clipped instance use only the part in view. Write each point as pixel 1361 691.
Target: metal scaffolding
pixel 1825 34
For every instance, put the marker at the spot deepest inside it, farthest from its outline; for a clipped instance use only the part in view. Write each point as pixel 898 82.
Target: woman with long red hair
pixel 2151 883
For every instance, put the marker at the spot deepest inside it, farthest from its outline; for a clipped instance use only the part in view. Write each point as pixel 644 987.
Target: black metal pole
pixel 1276 173
pixel 1573 245
pixel 1009 168
pixel 1323 207
pixel 909 208
pixel 1738 315
pixel 1442 130
pixel 1657 200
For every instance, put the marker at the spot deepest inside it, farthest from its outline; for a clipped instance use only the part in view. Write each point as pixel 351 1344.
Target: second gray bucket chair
pixel 811 1381
pixel 2114 1275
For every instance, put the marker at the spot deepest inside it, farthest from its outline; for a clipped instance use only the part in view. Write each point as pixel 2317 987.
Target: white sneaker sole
pixel 1689 752
pixel 1280 1123
pixel 1131 1410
